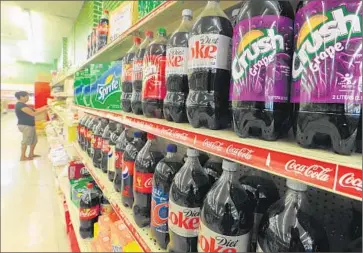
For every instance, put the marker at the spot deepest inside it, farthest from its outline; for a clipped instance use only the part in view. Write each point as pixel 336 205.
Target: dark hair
pixel 20 94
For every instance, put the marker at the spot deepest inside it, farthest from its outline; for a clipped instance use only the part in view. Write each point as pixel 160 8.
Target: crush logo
pixel 320 38
pixel 257 47
pixel 111 86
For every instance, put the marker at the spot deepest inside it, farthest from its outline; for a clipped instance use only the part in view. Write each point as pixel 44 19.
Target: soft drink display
pixel 327 73
pixel 111 161
pixel 128 165
pixel 153 87
pixel 227 215
pixel 103 30
pixel 290 226
pixel 190 186
pixel 89 210
pixel 262 189
pixel 145 164
pixel 163 176
pixel 209 69
pixel 127 65
pixel 213 167
pixel 177 71
pixel 98 141
pixel 91 127
pixel 106 145
pixel 261 69
pixel 121 144
pixel 137 74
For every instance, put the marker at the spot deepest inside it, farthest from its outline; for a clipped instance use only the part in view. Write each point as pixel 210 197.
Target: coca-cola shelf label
pixel 143 182
pixel 177 61
pixel 159 210
pixel 210 241
pixel 183 221
pixel 210 51
pixel 349 181
pixel 89 213
pixel 111 159
pixel 118 159
pixel 153 86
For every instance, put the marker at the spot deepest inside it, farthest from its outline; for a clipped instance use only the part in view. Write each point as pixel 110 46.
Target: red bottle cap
pixel 149 34
pixel 89 185
pixel 105 11
pixel 137 40
pixel 150 136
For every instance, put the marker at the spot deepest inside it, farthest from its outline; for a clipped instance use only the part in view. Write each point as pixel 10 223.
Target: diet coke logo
pixel 214 145
pixel 313 171
pixel 244 153
pixel 174 134
pixel 348 180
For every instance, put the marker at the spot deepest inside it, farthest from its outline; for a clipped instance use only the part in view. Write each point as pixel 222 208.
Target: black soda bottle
pixel 120 147
pixel 106 145
pixel 127 64
pixel 227 215
pixel 327 73
pixel 111 158
pixel 86 129
pixel 163 176
pixel 81 130
pixel 234 17
pixel 177 71
pixel 261 69
pixel 209 69
pixel 103 30
pixel 145 164
pixel 289 224
pixel 213 167
pixel 128 166
pixel 153 87
pixel 89 210
pixel 98 141
pixel 187 192
pixel 90 135
pixel 137 73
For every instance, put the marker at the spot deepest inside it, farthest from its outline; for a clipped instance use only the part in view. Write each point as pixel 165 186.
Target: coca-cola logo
pixel 89 213
pixel 204 48
pixel 148 183
pixel 244 153
pixel 348 180
pixel 313 171
pixel 217 244
pixel 214 145
pixel 186 220
pixel 174 134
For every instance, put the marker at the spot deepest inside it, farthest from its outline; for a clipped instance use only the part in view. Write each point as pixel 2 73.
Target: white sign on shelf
pixel 120 20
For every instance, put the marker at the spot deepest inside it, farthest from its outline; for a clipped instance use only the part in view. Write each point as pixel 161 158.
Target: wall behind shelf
pixel 23 72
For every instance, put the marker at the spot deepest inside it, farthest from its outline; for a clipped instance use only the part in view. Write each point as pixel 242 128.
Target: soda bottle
pixel 89 210
pixel 261 69
pixel 106 145
pixel 81 130
pixel 289 224
pixel 153 87
pixel 85 135
pixel 106 207
pixel 111 162
pixel 209 69
pixel 177 71
pixel 90 137
pixel 190 186
pixel 137 75
pixel 127 64
pixel 98 141
pixel 121 144
pixel 145 164
pixel 213 167
pixel 260 186
pixel 164 173
pixel 103 30
pixel 128 165
pixel 94 40
pixel 89 46
pixel 227 215
pixel 327 73
pixel 359 134
pixel 234 17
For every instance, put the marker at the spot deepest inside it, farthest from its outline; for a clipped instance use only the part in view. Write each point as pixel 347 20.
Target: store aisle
pixel 31 219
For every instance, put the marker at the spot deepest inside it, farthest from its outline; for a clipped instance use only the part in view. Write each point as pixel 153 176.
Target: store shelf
pixel 319 168
pixel 141 235
pixel 63 117
pixel 61 95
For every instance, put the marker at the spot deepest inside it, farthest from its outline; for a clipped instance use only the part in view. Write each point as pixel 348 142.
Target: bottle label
pixel 126 72
pixel 327 62
pixel 127 171
pixel 81 130
pixel 105 146
pixel 97 142
pixel 177 61
pixel 210 241
pixel 118 159
pixel 111 158
pixel 159 210
pixel 143 182
pixel 209 51
pixel 154 77
pixel 85 132
pixel 183 221
pixel 89 134
pixel 89 213
pixel 261 66
pixel 137 70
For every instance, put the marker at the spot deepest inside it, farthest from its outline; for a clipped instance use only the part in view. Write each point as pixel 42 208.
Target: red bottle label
pixel 154 77
pixel 105 146
pixel 89 213
pixel 127 72
pixel 137 70
pixel 85 133
pixel 89 135
pixel 127 171
pixel 118 159
pixel 81 130
pixel 143 182
pixel 97 142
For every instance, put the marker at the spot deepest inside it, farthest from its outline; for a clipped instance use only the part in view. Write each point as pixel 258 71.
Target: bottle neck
pixel 213 4
pixel 229 175
pixel 295 197
pixel 192 160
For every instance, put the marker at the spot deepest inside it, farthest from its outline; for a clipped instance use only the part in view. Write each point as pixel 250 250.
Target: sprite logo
pixel 111 86
pixel 256 49
pixel 320 38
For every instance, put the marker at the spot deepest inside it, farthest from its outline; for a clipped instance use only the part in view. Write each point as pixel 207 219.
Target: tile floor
pixel 31 219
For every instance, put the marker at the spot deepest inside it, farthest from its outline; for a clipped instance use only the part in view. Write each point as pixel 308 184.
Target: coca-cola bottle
pixel 145 164
pixel 111 162
pixel 190 186
pixel 177 71
pixel 154 88
pixel 213 167
pixel 91 127
pixel 81 130
pixel 98 141
pixel 227 215
pixel 127 65
pixel 106 145
pixel 163 176
pixel 128 165
pixel 86 129
pixel 290 225
pixel 137 73
pixel 121 144
pixel 209 69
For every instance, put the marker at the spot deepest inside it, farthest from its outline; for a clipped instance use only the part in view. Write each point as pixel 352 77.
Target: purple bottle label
pixel 261 67
pixel 327 64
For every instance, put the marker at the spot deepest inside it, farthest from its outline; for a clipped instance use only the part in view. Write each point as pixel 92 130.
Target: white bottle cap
pixel 187 12
pixel 229 166
pixel 192 152
pixel 235 12
pixel 295 185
